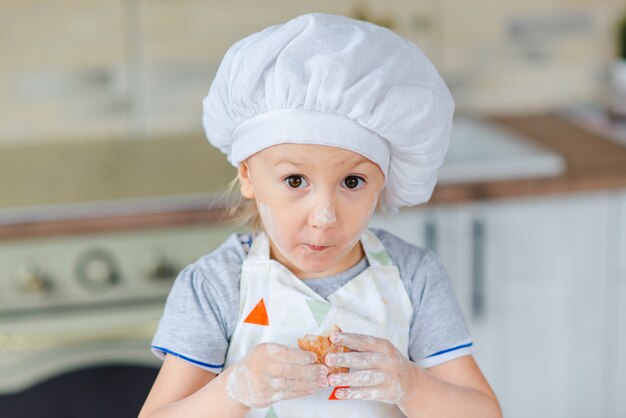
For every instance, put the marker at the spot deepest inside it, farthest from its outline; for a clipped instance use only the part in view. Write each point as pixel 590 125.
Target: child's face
pixel 313 194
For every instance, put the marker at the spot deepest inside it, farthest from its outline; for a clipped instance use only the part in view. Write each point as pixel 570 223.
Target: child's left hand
pixel 384 373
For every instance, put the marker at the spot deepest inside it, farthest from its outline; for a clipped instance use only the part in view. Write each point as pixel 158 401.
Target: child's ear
pixel 245 181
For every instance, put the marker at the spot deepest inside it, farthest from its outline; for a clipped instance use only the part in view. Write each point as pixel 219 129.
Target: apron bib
pixel 276 306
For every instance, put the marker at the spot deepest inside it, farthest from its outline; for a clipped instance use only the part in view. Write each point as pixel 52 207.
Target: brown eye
pixel 352 182
pixel 294 181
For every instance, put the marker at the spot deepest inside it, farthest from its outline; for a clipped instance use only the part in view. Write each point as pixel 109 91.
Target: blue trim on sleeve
pixel 165 350
pixel 450 349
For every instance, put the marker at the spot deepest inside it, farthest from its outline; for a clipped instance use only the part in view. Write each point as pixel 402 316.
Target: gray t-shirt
pixel 202 308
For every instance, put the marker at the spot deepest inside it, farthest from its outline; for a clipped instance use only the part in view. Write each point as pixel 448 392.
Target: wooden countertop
pixel 593 163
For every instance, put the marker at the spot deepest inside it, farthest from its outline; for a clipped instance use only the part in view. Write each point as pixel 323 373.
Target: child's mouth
pixel 317 247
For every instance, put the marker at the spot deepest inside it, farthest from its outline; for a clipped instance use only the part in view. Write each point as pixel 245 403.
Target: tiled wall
pixel 511 56
pixel 91 69
pixel 62 69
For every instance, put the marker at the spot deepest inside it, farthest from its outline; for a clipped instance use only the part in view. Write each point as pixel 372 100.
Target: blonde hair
pixel 241 211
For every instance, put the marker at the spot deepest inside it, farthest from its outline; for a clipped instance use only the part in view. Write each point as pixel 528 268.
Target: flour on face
pixel 325 214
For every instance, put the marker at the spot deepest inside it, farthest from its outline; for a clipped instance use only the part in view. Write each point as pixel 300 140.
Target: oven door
pixel 78 362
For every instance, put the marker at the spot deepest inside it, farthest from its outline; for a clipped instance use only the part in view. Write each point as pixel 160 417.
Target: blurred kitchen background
pixel 108 188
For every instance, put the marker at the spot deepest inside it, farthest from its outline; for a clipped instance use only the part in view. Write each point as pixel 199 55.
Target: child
pixel 327 119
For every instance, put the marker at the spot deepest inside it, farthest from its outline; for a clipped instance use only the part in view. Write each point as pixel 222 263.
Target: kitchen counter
pixel 592 162
pixel 59 173
pixel 125 170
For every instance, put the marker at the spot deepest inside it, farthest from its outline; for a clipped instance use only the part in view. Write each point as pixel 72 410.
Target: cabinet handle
pixel 430 235
pixel 478 269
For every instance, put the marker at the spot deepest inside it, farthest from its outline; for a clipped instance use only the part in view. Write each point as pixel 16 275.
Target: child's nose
pixel 323 215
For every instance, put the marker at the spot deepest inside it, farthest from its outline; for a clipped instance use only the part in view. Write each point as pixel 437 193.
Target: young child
pixel 327 119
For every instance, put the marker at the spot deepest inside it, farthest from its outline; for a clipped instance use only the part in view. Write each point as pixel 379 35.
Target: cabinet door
pixel 540 311
pixel 533 278
pixel 460 243
pixel 617 337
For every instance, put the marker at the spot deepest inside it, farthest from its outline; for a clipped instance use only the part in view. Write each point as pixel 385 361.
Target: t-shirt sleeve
pixel 194 324
pixel 438 329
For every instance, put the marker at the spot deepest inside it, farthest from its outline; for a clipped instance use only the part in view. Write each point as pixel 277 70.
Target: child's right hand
pixel 273 372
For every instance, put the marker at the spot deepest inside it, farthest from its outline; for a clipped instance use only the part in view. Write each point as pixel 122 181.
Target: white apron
pixel 276 306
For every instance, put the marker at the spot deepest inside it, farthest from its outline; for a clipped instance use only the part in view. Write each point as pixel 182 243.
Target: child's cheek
pixel 363 223
pixel 268 219
pixel 272 226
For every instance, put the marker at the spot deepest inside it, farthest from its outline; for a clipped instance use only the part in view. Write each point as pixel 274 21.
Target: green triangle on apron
pixel 382 257
pixel 319 310
pixel 271 413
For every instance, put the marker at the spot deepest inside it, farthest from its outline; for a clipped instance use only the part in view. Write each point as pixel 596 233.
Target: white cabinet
pixel 617 344
pixel 542 307
pixel 540 281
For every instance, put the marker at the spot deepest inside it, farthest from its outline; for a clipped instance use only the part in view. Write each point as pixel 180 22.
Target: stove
pixel 77 302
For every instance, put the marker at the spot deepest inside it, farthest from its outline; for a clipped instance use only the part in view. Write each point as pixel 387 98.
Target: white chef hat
pixel 332 80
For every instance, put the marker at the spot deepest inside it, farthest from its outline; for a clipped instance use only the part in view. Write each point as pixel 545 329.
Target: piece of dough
pixel 321 345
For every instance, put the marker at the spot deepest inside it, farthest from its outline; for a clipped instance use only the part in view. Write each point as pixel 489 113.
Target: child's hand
pixel 384 374
pixel 274 372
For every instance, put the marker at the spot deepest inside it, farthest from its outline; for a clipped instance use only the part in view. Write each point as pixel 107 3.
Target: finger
pixel 376 393
pixel 288 354
pixel 364 378
pixel 356 360
pixel 280 385
pixel 358 342
pixel 281 396
pixel 296 371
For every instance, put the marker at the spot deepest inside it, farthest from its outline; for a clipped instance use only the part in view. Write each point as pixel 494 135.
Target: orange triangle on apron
pixel 332 396
pixel 258 315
